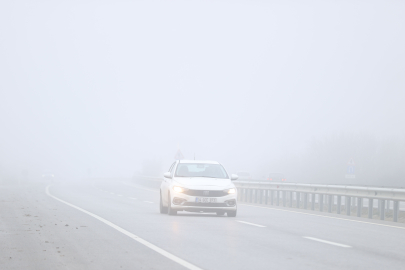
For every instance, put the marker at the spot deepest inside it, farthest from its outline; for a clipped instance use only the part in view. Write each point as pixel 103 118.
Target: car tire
pixel 220 213
pixel 170 211
pixel 163 209
pixel 231 213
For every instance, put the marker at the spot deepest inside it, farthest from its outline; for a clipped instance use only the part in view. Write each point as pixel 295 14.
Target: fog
pixel 101 88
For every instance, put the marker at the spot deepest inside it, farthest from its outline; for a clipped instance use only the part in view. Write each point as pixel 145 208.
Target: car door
pixel 166 183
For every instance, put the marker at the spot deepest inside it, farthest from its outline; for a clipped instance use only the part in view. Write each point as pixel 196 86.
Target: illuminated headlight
pixel 179 189
pixel 230 191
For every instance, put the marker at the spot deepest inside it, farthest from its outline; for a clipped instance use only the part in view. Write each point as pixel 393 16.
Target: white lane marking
pixel 257 225
pixel 112 193
pixel 131 235
pixel 132 198
pixel 309 214
pixel 327 242
pixel 119 195
pixel 147 201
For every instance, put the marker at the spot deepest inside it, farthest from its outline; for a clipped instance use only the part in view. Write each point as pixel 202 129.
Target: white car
pixel 198 186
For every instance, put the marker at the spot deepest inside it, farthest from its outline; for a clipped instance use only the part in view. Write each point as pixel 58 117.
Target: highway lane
pixel 258 237
pixel 37 232
pixel 283 236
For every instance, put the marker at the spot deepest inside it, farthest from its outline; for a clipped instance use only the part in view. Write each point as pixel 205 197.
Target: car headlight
pixel 230 191
pixel 179 189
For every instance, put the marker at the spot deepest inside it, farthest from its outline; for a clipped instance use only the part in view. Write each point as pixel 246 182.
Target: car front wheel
pixel 231 213
pixel 163 209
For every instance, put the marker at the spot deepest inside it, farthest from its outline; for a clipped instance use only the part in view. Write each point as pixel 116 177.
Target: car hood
pixel 203 183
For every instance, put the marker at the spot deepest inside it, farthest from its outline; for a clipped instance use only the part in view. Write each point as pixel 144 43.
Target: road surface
pixel 108 224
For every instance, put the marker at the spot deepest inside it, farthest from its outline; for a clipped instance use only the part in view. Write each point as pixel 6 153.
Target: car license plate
pixel 205 200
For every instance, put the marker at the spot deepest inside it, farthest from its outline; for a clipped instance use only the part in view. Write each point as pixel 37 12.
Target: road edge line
pixel 131 235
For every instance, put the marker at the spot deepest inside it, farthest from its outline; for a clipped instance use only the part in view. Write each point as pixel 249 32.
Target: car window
pixel 201 170
pixel 171 167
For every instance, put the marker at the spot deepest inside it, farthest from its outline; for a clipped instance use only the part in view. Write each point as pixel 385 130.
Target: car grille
pixel 205 193
pixel 205 204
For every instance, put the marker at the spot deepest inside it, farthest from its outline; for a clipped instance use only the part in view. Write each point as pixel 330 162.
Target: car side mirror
pixel 234 177
pixel 167 175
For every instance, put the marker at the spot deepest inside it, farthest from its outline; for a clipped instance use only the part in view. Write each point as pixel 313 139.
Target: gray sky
pixel 107 84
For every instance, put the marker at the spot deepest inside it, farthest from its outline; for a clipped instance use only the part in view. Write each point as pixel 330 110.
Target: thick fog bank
pixel 115 88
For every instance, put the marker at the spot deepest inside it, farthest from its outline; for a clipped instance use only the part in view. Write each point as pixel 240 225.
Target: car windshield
pixel 201 170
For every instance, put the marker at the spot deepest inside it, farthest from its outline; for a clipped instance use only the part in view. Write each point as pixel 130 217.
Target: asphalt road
pixel 117 225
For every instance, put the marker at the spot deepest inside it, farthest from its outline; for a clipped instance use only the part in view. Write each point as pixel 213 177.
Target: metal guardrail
pixel 384 202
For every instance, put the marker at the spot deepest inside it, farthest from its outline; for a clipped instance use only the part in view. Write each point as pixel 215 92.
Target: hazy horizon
pixel 99 87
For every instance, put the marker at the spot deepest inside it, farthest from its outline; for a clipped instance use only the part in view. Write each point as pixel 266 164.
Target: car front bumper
pixel 188 203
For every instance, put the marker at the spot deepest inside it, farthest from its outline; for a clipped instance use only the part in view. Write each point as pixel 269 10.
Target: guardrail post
pixel 359 206
pixel 266 196
pixel 260 193
pixel 272 197
pixel 330 203
pixel 246 194
pixel 370 207
pixel 382 209
pixel 284 198
pixel 255 197
pixel 278 198
pixel 339 204
pixel 298 199
pixel 312 201
pixel 348 205
pixel 396 208
pixel 320 202
pixel 305 200
pixel 291 198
